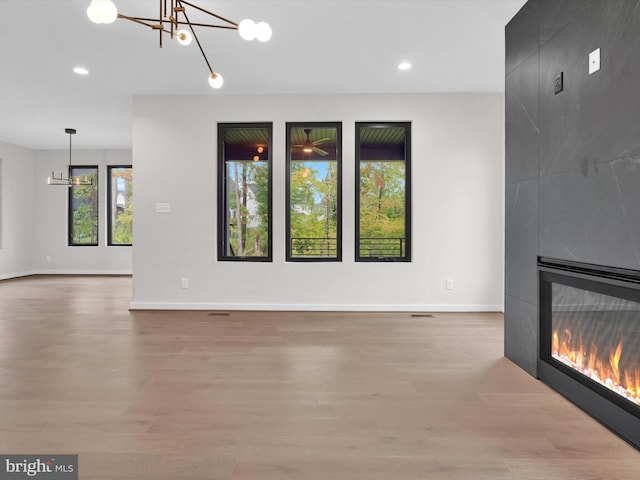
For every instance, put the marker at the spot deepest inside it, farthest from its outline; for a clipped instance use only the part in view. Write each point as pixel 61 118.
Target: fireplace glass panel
pixel 598 337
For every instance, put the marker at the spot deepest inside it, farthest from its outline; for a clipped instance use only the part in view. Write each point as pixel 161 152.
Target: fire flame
pixel 633 382
pixel 614 360
pixel 605 370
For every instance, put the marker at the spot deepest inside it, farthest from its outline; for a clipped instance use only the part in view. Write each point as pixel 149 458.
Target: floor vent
pixel 218 314
pixel 422 315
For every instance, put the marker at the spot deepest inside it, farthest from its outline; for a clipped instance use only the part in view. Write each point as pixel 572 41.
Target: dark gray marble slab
pixel 521 240
pixel 521 35
pixel 592 214
pixel 521 334
pixel 521 121
pixel 595 119
pixel 557 14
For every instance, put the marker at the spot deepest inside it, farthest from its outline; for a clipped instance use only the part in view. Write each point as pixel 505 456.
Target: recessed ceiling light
pixel 404 66
pixel 81 70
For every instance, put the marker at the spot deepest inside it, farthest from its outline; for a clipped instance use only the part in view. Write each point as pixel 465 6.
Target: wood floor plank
pixel 279 395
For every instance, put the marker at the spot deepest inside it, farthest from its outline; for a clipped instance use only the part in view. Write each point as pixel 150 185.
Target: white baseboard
pixel 7 276
pixel 82 272
pixel 314 307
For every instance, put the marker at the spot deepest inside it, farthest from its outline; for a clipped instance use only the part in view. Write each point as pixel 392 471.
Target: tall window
pixel 314 181
pixel 383 201
pixel 83 206
pixel 120 205
pixel 244 191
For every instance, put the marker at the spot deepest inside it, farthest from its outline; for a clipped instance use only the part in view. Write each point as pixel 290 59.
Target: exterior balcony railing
pixel 393 247
pixel 314 247
pixel 382 247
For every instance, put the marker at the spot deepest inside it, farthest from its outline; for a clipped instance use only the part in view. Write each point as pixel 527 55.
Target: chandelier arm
pixel 170 16
pixel 209 13
pixel 160 18
pixel 207 25
pixel 143 20
pixel 193 32
pixel 140 20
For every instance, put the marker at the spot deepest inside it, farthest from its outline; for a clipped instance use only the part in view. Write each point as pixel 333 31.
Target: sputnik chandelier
pixel 173 19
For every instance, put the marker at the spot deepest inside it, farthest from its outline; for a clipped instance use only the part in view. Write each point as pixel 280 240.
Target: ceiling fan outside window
pixel 313 146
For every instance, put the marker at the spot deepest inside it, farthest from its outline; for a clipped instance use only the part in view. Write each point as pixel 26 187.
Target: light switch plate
pixel 594 61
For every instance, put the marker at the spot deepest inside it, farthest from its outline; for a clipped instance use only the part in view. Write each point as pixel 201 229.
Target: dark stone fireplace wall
pixel 572 168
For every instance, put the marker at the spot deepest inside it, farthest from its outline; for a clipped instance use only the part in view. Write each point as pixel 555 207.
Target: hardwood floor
pixel 273 395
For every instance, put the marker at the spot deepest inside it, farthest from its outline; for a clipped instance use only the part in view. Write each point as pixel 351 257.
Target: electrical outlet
pixel 449 284
pixel 558 83
pixel 184 283
pixel 163 208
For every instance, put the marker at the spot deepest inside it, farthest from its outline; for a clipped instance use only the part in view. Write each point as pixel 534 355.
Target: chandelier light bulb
pixel 248 29
pixel 93 13
pixel 263 31
pixel 102 11
pixel 184 37
pixel 216 80
pixel 110 12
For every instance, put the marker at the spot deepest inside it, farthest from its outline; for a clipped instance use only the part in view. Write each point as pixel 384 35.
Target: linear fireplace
pixel 590 340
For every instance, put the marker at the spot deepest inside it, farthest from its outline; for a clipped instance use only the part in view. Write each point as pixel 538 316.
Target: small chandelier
pixel 173 20
pixel 68 181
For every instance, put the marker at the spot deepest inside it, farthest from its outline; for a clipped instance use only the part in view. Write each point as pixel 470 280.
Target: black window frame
pixel 359 126
pixel 110 206
pixel 221 183
pixel 288 248
pixel 70 211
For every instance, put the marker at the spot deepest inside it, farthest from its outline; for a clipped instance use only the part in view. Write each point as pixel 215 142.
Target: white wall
pixel 16 211
pixel 51 253
pixel 457 154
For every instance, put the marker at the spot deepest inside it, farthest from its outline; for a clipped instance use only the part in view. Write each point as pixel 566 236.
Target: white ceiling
pixel 318 47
